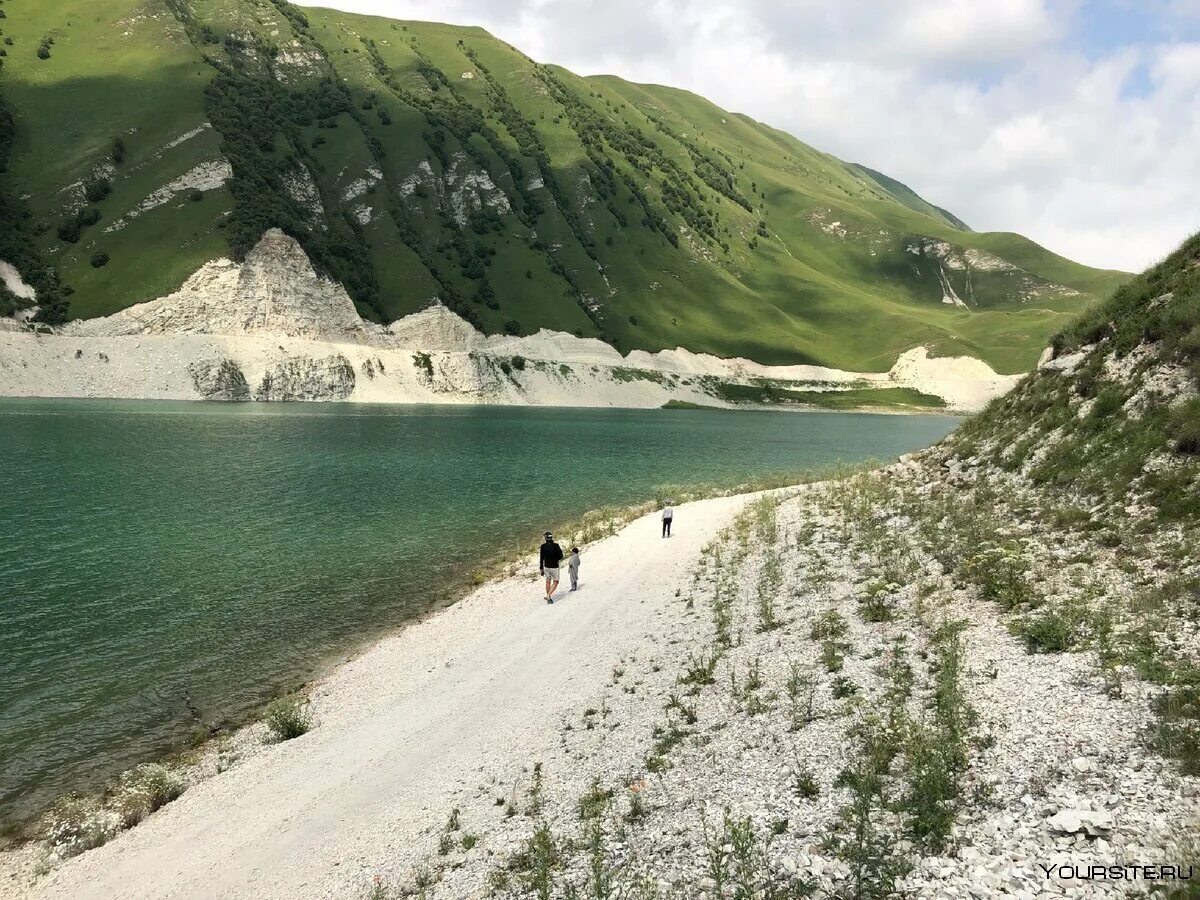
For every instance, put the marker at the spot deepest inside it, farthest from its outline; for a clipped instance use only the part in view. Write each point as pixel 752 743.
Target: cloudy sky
pixel 1075 122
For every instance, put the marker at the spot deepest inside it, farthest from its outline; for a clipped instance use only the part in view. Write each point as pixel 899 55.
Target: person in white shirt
pixel 667 515
pixel 573 567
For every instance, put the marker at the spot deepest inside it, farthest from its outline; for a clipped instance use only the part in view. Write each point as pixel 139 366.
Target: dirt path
pixel 469 697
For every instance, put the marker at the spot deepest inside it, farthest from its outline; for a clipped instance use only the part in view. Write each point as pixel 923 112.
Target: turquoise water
pixel 160 558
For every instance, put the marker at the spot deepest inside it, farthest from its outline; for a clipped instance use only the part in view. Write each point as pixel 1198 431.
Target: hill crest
pixel 415 160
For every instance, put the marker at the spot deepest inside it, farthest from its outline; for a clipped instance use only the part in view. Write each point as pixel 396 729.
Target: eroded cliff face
pixel 272 328
pixel 219 379
pixel 306 378
pixel 275 291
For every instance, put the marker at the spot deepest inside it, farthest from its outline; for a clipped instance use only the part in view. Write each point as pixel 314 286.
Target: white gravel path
pixel 471 696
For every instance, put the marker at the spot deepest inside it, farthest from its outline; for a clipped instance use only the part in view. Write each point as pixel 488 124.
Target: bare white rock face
pixel 275 291
pixel 272 328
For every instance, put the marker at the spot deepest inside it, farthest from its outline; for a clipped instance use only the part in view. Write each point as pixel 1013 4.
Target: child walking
pixel 573 567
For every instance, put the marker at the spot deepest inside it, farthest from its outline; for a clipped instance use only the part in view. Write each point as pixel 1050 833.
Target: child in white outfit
pixel 573 567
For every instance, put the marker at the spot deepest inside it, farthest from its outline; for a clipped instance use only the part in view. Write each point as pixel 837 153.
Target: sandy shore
pixel 470 697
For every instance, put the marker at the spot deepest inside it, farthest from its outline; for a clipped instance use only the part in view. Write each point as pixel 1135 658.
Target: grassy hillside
pixel 1116 419
pixel 910 198
pixel 417 160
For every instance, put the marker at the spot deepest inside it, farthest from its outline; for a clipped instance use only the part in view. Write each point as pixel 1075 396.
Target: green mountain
pixel 910 198
pixel 142 138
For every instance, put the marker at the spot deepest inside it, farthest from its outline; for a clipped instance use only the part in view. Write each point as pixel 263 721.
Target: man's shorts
pixel 552 574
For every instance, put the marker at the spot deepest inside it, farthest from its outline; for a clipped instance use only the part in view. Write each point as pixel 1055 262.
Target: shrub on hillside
pixel 75 824
pixel 117 153
pixel 99 259
pixel 145 789
pixel 1001 574
pixel 1053 630
pixel 286 718
pixel 1186 428
pixel 69 230
pixel 96 189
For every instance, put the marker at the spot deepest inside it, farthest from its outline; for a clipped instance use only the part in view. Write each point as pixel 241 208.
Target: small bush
pixel 833 654
pixel 1185 428
pixel 75 824
pixel 423 363
pixel 69 231
pixel 536 863
pixel 843 687
pixel 1177 732
pixel 518 363
pixel 805 786
pixel 931 801
pixel 1001 573
pixel 1054 630
pixel 878 602
pixel 701 670
pixel 801 693
pixel 637 806
pixel 144 790
pixel 286 718
pixel 99 259
pixel 96 189
pixel 829 625
pixel 593 804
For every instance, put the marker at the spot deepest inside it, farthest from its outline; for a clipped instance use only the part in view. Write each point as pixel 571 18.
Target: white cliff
pixel 272 328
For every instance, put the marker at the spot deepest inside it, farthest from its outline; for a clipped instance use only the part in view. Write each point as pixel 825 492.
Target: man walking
pixel 549 558
pixel 667 515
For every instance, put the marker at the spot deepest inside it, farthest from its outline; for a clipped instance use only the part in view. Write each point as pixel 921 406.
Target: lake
pixel 159 558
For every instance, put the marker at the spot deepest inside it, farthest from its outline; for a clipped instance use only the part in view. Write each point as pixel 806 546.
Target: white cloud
pixel 994 109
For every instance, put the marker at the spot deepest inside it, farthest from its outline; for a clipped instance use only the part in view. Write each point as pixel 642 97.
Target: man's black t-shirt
pixel 551 555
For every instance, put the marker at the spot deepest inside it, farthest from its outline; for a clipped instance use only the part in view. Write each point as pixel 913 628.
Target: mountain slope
pixel 910 198
pixel 416 160
pixel 1113 414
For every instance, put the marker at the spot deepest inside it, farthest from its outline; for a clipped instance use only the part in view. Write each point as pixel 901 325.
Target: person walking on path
pixel 549 558
pixel 667 515
pixel 573 567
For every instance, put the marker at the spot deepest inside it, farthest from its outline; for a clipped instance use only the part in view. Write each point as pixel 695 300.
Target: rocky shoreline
pixel 721 746
pixel 738 780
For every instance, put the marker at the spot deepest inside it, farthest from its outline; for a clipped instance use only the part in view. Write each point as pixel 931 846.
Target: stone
pixel 1081 821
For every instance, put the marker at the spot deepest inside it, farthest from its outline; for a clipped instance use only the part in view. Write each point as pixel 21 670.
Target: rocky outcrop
pixel 219 379
pixel 293 334
pixel 274 291
pixel 305 378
